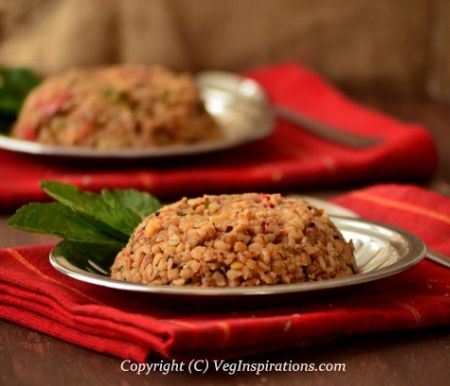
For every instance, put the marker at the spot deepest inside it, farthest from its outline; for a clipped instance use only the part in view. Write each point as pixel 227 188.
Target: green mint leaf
pixel 15 84
pixel 60 220
pixel 6 122
pixel 95 227
pixel 111 215
pixel 92 257
pixel 140 203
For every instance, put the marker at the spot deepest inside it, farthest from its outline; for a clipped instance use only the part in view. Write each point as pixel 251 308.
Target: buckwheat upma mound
pixel 235 240
pixel 116 107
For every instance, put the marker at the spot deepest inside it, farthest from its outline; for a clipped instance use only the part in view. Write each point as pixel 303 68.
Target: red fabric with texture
pixel 125 325
pixel 289 158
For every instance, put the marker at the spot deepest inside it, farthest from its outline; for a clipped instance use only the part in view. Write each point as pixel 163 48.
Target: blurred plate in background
pixel 240 108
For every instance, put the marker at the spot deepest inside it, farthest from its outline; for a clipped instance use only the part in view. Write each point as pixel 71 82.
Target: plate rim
pixel 262 130
pixel 35 148
pixel 416 253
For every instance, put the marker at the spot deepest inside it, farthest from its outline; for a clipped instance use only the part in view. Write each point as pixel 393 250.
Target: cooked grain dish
pixel 116 107
pixel 235 240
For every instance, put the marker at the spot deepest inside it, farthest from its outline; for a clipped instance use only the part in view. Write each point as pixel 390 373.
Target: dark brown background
pixel 401 46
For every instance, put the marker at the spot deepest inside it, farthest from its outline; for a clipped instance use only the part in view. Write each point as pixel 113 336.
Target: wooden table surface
pixel 401 358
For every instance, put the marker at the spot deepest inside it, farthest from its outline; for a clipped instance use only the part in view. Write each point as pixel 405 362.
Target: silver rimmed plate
pixel 240 108
pixel 381 251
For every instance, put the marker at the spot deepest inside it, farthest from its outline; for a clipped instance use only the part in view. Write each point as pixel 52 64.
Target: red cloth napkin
pixel 290 158
pixel 125 325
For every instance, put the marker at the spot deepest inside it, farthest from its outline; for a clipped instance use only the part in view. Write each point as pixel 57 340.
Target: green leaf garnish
pixel 59 220
pixel 142 204
pixel 92 257
pixel 95 227
pixel 112 216
pixel 15 84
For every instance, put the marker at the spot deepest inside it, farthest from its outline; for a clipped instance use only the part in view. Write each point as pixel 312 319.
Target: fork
pixel 438 258
pixel 322 130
